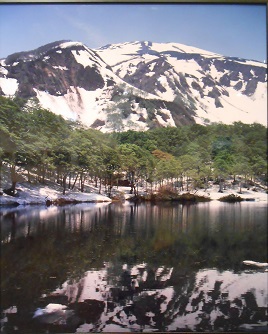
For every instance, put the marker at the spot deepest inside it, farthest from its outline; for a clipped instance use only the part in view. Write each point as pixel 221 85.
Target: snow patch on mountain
pixel 70 44
pixel 138 83
pixel 64 68
pixel 77 105
pixel 190 67
pixel 160 47
pixel 9 86
pixel 112 54
pixel 168 121
pixel 234 108
pixel 59 104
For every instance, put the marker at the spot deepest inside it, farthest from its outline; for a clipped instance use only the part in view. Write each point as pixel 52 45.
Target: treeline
pixel 44 146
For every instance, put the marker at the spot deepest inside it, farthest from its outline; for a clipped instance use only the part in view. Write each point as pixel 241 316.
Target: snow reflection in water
pixel 115 268
pixel 209 300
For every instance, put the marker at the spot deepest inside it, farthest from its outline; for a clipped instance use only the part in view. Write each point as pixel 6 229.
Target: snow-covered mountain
pixel 138 85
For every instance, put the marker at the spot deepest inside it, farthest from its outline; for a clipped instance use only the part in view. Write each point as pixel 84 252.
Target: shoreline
pixel 36 194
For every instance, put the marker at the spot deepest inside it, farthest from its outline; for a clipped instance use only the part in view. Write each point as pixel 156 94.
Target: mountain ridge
pixel 137 85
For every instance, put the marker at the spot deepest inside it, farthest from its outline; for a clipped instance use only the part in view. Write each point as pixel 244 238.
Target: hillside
pixel 138 85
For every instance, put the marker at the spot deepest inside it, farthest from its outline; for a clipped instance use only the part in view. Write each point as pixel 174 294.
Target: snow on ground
pixel 39 194
pixel 214 194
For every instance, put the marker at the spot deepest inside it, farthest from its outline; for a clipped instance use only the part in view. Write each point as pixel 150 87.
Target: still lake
pixel 126 267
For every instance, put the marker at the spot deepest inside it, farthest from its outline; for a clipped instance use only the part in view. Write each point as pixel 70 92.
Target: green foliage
pixel 114 120
pixel 37 140
pixel 132 157
pixel 223 162
pixel 221 144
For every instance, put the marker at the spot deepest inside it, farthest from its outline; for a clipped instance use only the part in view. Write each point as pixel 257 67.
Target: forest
pixel 43 146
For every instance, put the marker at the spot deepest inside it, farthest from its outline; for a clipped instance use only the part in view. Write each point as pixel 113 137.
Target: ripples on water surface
pixel 112 268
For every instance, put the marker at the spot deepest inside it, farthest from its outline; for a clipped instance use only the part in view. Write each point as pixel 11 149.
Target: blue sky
pixel 231 30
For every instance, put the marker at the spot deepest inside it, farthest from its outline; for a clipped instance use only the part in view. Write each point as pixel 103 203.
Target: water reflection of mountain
pixel 142 298
pixel 156 274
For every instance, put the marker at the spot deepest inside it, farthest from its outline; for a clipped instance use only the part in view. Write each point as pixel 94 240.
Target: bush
pixel 188 197
pixel 231 198
pixel 167 193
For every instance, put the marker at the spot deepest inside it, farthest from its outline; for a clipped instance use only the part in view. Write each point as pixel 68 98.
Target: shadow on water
pixel 111 268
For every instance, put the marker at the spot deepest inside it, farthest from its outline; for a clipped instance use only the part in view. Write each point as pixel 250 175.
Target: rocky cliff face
pixel 138 85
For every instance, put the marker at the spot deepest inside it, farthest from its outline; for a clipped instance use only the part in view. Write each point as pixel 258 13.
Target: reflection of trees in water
pixel 212 309
pixel 49 248
pixel 165 303
pixel 150 233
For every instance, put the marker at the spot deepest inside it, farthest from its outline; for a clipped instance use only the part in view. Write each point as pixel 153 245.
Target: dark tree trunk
pixel 221 185
pixel 105 184
pixel 13 186
pixel 110 186
pixel 58 175
pixel 132 184
pixel 96 181
pixel 28 176
pixel 240 187
pixel 14 179
pixel 70 176
pixel 64 179
pixel 82 182
pixel 43 174
pixel 1 166
pixel 100 185
pixel 187 183
pixel 75 181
